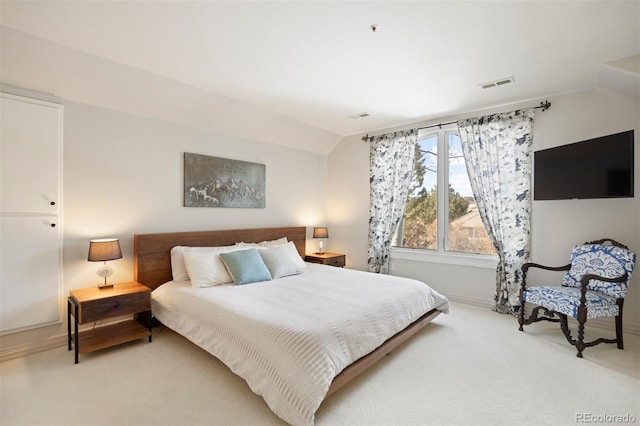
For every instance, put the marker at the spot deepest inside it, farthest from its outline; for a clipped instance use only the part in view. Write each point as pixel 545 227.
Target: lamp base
pixel 105 271
pixel 102 286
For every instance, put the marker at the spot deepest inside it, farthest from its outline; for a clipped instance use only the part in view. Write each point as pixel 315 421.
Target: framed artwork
pixel 222 182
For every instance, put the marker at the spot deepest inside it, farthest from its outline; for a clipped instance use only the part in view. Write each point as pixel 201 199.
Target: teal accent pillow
pixel 246 266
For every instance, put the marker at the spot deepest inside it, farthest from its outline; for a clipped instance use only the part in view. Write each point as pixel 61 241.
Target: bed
pixel 296 355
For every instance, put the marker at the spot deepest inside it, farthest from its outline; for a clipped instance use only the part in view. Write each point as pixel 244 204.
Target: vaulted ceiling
pixel 319 63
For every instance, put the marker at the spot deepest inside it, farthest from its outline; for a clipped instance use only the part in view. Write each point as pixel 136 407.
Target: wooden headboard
pixel 152 258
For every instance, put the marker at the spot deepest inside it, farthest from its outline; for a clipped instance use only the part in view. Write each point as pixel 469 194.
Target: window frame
pixel 442 254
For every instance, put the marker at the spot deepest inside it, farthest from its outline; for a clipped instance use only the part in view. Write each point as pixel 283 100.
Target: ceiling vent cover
pixel 497 83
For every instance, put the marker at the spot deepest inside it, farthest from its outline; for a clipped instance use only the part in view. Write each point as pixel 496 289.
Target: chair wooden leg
pixel 619 331
pixel 521 312
pixel 620 303
pixel 564 326
pixel 521 316
pixel 582 318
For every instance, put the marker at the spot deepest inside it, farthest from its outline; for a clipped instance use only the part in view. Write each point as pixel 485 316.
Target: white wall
pixel 39 64
pixel 123 175
pixel 556 225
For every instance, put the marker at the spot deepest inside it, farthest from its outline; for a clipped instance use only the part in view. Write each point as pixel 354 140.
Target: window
pixel 441 213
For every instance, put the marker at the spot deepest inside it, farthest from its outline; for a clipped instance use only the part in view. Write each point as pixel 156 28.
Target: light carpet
pixel 471 367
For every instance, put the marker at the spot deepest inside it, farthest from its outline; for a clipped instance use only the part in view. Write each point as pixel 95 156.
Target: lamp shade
pixel 320 232
pixel 104 249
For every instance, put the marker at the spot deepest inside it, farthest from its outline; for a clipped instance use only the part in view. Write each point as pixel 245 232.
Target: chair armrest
pixel 584 281
pixel 528 265
pixel 588 277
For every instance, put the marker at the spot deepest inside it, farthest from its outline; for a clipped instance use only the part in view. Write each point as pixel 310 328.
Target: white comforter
pixel 288 338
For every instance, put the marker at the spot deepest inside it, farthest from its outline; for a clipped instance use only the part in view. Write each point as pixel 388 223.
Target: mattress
pixel 288 338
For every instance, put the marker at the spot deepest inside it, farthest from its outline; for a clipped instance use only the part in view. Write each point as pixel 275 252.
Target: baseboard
pixel 632 329
pixel 628 328
pixel 606 324
pixel 34 347
pixel 53 342
pixel 468 300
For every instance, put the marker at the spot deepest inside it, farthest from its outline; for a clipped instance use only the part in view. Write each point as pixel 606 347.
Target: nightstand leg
pixel 77 342
pixel 150 318
pixel 69 322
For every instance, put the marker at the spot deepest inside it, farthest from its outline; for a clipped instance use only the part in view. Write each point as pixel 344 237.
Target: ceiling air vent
pixel 360 115
pixel 497 83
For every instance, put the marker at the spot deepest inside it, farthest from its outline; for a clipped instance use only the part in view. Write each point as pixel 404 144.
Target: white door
pixel 30 285
pixel 30 154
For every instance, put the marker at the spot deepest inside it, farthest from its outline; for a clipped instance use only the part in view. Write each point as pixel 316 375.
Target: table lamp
pixel 320 232
pixel 103 250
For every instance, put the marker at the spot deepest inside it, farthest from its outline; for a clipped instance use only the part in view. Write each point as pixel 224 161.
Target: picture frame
pixel 223 182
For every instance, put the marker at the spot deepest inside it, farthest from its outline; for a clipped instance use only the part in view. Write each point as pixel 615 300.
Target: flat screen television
pixel 594 168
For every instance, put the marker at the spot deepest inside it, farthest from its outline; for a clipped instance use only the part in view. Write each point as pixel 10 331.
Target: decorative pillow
pixel 206 269
pixel 281 261
pixel 269 243
pixel 246 266
pixel 179 269
pixel 605 261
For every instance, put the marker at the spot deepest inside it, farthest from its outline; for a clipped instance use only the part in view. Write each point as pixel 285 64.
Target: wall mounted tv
pixel 594 168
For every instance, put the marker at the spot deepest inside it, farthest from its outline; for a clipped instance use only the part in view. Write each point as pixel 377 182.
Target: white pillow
pixel 206 269
pixel 178 268
pixel 282 260
pixel 269 243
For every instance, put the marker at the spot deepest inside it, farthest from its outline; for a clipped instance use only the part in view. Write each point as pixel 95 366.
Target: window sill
pixel 488 261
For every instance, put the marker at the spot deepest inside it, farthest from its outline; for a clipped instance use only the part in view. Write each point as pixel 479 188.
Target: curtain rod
pixel 543 106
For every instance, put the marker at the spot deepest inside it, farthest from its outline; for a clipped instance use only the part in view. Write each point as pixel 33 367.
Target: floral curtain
pixel 497 150
pixel 391 171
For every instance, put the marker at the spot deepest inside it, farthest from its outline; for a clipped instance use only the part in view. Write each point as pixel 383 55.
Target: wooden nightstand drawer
pixel 331 259
pixel 125 304
pixel 335 261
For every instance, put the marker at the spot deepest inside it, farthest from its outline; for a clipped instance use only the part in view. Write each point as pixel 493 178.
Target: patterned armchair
pixel 594 285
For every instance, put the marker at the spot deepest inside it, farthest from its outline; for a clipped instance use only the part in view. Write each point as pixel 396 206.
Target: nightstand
pixel 332 259
pixel 93 304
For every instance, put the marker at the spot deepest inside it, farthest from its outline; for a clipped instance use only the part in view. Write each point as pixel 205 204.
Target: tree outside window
pixel 428 204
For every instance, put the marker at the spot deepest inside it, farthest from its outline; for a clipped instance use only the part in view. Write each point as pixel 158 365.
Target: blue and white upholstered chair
pixel 594 285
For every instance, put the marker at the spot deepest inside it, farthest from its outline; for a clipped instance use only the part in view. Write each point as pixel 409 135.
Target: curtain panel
pixel 497 151
pixel 391 171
